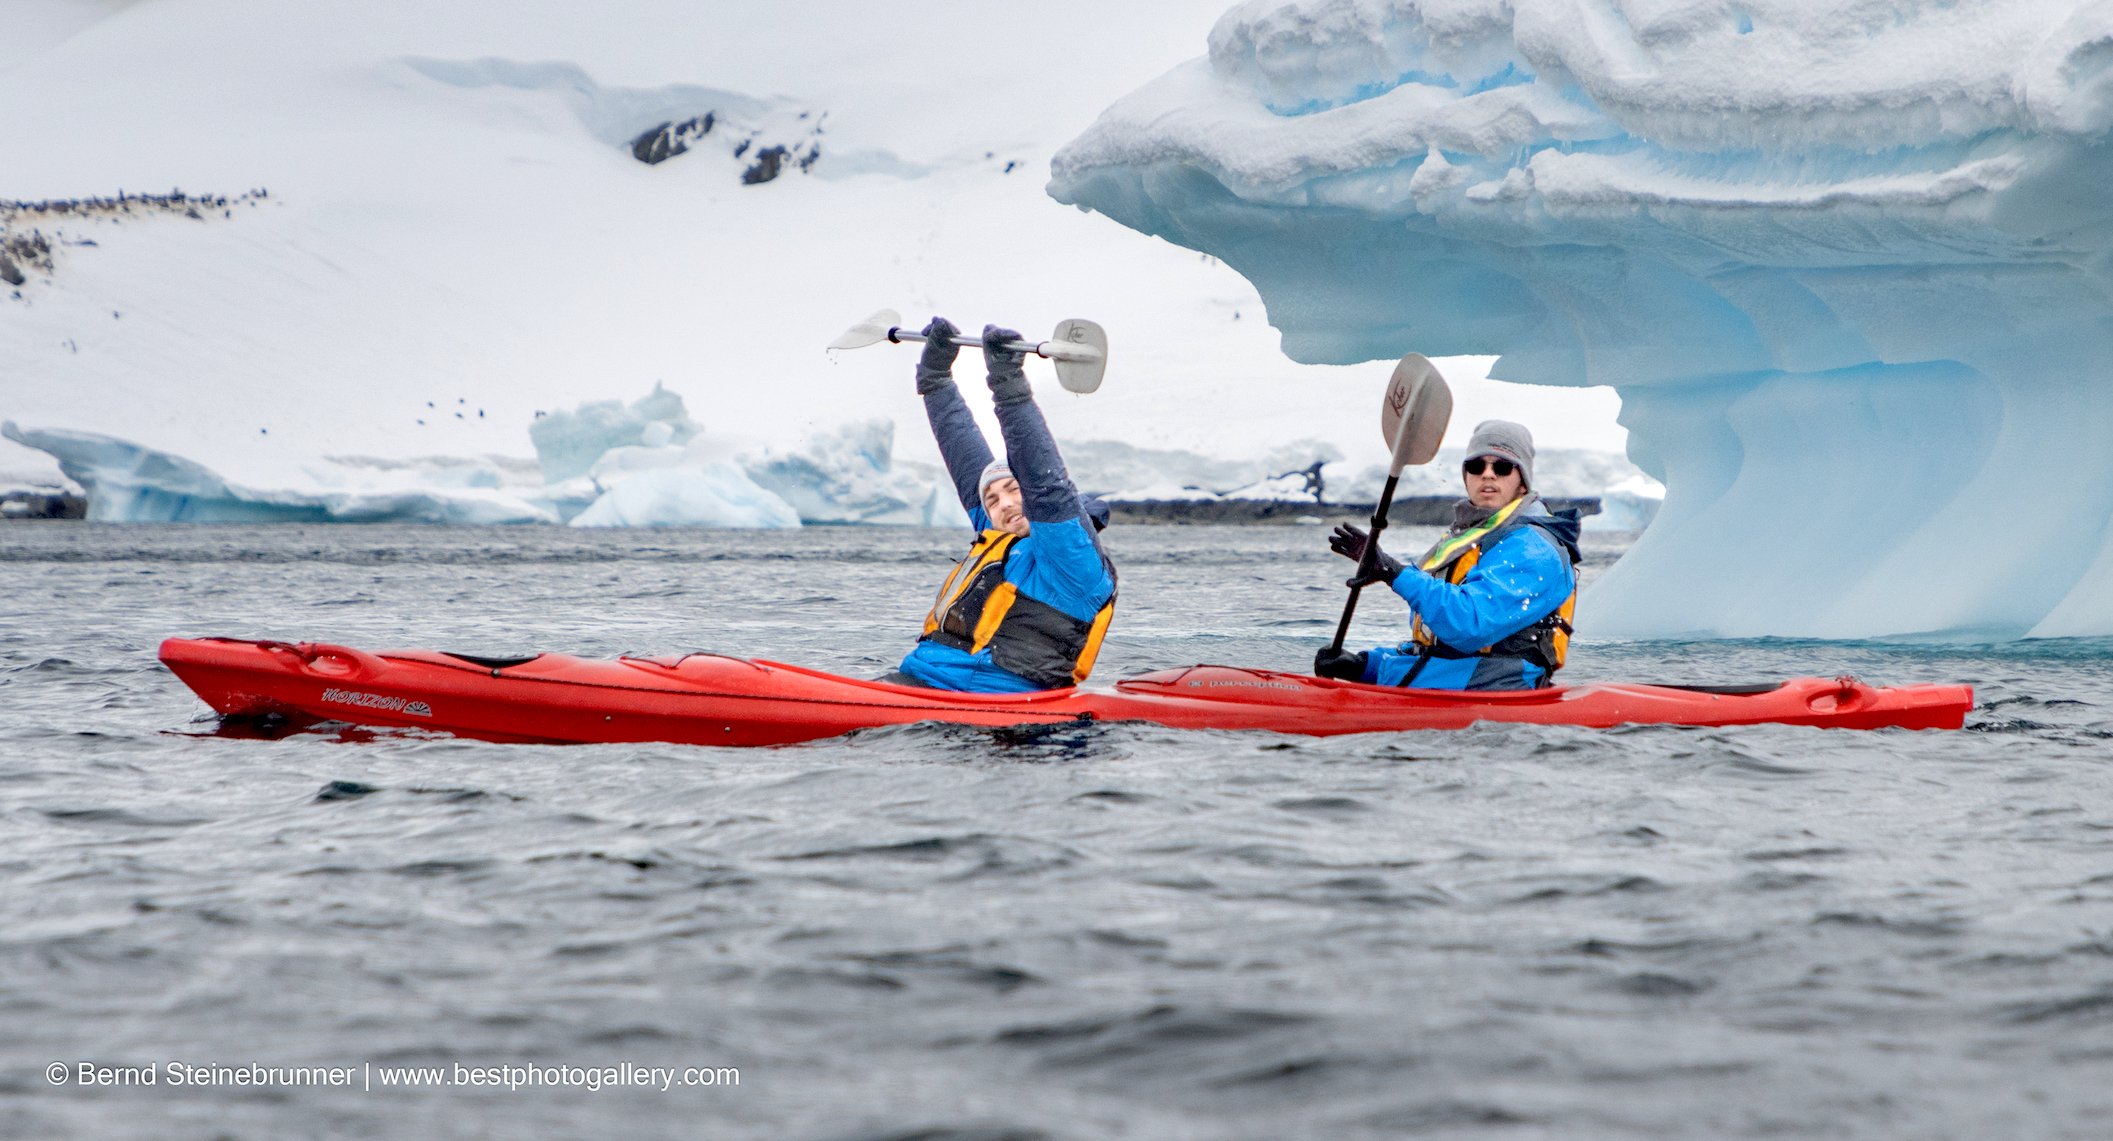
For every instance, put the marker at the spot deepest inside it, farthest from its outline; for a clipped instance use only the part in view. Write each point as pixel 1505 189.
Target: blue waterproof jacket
pixel 1519 580
pixel 1059 563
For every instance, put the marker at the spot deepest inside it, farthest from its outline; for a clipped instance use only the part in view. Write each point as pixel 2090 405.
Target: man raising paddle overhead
pixel 1027 608
pixel 1492 600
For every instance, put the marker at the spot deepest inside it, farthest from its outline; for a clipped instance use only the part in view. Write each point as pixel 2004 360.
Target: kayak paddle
pixel 1078 347
pixel 1413 417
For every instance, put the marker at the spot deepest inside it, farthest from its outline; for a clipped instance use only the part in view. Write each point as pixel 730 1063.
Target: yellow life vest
pixel 1546 642
pixel 979 609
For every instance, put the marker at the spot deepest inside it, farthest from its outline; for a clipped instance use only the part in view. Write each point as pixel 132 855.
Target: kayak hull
pixel 712 699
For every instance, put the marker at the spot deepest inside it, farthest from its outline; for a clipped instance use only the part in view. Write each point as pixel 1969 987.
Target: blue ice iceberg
pixel 849 474
pixel 603 464
pixel 569 442
pixel 706 495
pixel 1850 267
pixel 130 483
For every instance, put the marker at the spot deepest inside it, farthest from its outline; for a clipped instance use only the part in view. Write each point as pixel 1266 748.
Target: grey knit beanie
pixel 992 473
pixel 1503 440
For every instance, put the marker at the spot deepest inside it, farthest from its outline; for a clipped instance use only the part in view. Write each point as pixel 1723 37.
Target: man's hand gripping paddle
pixel 1414 416
pixel 1079 347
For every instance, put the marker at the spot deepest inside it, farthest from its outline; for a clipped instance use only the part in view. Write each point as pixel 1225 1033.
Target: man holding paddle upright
pixel 1027 608
pixel 1492 600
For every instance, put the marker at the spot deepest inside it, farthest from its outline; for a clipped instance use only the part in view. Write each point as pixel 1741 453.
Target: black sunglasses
pixel 1501 467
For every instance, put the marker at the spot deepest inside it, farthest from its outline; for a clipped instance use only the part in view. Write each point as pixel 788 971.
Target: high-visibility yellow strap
pixel 1451 547
pixel 1094 636
pixel 991 546
pixel 1559 642
pixel 994 610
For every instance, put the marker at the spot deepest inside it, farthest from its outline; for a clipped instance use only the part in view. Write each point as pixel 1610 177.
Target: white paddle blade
pixel 1417 408
pixel 1080 349
pixel 871 331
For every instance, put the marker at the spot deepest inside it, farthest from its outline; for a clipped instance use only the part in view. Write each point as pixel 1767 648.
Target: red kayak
pixel 711 699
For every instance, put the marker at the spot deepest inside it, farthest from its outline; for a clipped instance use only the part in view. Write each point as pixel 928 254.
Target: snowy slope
pixel 453 222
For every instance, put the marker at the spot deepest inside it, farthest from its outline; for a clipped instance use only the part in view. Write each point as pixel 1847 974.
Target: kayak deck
pixel 713 699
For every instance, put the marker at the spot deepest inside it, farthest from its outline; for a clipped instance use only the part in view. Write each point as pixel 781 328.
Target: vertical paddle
pixel 1413 417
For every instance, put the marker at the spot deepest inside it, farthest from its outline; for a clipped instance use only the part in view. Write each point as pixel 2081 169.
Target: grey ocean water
pixel 941 933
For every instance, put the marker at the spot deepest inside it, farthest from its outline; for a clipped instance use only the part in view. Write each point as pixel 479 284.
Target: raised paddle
pixel 1079 347
pixel 1414 416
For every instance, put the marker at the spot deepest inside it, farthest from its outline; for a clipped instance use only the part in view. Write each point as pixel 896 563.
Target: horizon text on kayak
pixel 354 697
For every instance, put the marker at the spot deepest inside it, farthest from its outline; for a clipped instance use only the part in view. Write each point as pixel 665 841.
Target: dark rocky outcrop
pixel 671 138
pixel 766 148
pixel 768 162
pixel 26 249
pixel 42 505
pixel 22 252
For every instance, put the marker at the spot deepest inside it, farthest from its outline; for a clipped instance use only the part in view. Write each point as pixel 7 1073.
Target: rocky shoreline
pixel 42 504
pixel 1409 511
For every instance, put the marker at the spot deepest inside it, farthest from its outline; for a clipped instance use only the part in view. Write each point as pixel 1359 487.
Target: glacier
pixel 1847 266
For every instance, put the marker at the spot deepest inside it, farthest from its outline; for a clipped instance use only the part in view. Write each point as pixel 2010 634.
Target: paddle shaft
pixel 1054 350
pixel 1369 559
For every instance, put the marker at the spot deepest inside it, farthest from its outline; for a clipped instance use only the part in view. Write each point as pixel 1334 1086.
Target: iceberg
pixel 657 483
pixel 130 483
pixel 1848 266
pixel 603 464
pixel 651 465
pixel 713 495
pixel 849 475
pixel 569 443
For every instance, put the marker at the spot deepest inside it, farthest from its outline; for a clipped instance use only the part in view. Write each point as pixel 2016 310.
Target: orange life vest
pixel 978 609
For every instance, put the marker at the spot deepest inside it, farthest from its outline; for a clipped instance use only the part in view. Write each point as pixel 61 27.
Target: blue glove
pixel 1349 540
pixel 1008 381
pixel 935 369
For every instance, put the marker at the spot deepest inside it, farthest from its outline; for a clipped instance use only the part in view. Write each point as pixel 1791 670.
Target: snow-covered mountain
pixel 398 230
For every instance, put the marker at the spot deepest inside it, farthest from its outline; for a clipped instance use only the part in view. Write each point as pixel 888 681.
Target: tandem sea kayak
pixel 712 699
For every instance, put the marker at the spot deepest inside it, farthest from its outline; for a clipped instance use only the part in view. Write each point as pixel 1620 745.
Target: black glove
pixel 1008 381
pixel 935 369
pixel 1339 664
pixel 1349 541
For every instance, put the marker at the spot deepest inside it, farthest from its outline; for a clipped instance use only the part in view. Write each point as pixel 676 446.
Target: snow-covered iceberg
pixel 715 494
pixel 603 464
pixel 127 482
pixel 850 475
pixel 1849 265
pixel 570 443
